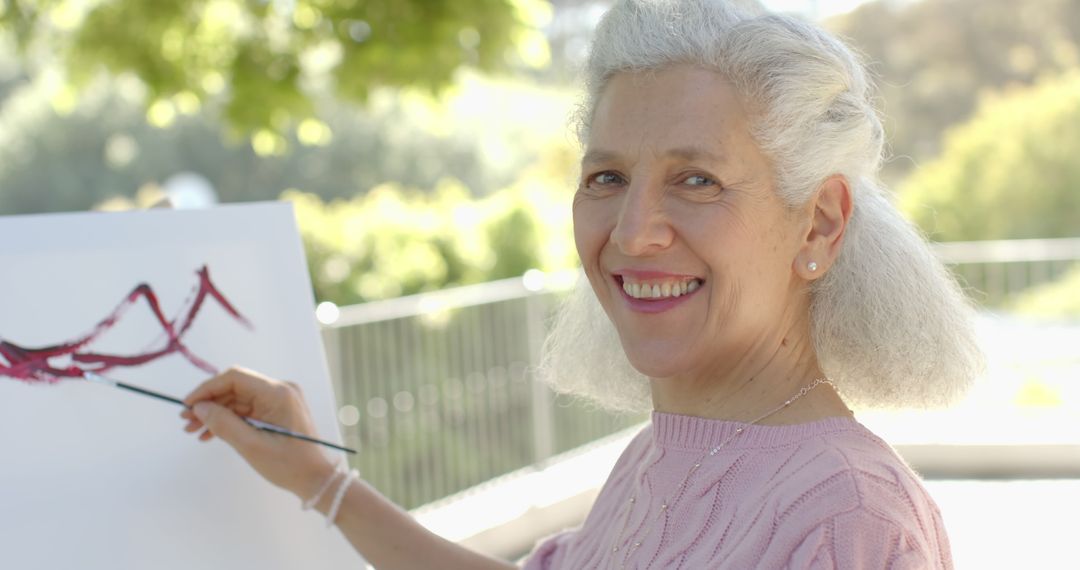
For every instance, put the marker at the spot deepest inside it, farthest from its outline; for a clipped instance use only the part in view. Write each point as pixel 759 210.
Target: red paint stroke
pixel 33 364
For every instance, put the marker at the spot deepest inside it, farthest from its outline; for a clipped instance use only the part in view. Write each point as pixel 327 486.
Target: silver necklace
pixel 664 505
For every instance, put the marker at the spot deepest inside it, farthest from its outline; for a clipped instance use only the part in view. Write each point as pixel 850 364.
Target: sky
pixel 816 8
pixel 821 9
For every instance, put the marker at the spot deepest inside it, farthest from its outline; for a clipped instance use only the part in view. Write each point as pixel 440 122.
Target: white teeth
pixel 661 291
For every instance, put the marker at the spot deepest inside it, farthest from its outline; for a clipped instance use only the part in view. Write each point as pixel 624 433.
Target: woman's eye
pixel 699 180
pixel 606 178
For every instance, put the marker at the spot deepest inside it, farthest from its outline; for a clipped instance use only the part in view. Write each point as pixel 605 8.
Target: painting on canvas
pixel 95 477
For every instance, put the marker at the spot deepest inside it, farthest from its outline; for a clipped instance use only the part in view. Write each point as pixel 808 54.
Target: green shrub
pixel 393 241
pixel 1056 300
pixel 1011 172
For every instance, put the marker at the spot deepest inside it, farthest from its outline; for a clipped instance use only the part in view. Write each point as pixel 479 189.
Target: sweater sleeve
pixel 862 540
pixel 544 556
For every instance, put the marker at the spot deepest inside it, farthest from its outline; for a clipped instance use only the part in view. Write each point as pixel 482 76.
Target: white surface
pixel 1010 524
pixel 506 500
pixel 94 477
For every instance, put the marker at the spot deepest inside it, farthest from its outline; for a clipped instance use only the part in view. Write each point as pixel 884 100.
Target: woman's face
pixel 678 226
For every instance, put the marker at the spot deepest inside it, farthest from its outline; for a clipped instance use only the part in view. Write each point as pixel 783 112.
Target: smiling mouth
pixel 655 290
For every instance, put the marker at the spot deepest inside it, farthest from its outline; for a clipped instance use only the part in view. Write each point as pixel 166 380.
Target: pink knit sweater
pixel 826 494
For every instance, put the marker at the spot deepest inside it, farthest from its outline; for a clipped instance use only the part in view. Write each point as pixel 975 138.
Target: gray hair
pixel 889 324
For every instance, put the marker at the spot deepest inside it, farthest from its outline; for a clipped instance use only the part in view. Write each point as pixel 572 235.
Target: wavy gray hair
pixel 889 324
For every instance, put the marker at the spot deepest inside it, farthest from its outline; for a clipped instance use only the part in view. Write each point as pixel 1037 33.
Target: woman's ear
pixel 832 207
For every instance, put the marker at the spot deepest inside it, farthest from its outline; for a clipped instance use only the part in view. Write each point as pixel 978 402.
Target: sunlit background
pixel 428 150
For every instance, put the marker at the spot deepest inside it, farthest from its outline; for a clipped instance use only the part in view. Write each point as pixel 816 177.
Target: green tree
pixel 392 241
pixel 1010 172
pixel 109 149
pixel 267 57
pixel 934 59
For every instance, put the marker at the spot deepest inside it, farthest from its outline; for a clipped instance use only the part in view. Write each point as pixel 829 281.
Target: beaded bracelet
pixel 340 496
pixel 310 503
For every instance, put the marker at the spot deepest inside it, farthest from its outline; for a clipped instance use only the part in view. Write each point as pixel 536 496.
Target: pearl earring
pixel 812 266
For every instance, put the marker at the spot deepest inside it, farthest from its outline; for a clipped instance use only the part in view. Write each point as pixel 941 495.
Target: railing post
pixel 542 422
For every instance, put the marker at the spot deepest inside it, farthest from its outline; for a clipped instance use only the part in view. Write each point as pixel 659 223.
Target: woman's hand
pixel 291 464
pixel 387 536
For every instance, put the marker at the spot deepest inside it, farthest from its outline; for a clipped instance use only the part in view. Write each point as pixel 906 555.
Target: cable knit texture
pixel 825 494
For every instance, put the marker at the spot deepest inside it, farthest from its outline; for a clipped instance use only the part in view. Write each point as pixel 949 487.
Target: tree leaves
pixel 268 57
pixel 935 57
pixel 1010 172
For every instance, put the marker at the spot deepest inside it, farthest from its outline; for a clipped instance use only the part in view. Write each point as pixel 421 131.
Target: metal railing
pixel 435 390
pixel 437 393
pixel 995 271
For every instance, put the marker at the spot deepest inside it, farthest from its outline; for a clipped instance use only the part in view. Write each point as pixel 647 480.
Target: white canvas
pixel 96 477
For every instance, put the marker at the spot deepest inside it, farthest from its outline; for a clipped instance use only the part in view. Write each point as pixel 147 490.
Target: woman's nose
pixel 643 226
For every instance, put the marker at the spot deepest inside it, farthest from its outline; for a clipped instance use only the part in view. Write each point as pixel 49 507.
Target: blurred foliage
pixel 11 75
pixel 486 198
pixel 1055 300
pixel 1036 393
pixel 109 149
pixel 936 58
pixel 288 74
pixel 1011 172
pixel 392 241
pixel 268 57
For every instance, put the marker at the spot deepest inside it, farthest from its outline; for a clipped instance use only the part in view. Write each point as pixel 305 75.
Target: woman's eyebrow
pixel 598 156
pixel 692 153
pixel 685 153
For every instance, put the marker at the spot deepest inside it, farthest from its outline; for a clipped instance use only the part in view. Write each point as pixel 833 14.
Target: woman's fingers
pixel 219 406
pixel 217 386
pixel 226 424
pixel 235 383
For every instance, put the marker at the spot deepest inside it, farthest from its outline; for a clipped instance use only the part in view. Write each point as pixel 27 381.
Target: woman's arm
pixel 387 536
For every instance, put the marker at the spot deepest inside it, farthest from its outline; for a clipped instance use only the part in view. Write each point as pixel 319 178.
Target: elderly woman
pixel 748 279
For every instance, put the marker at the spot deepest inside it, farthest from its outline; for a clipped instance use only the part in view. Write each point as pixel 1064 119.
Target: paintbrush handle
pixel 150 393
pixel 94 377
pixel 280 430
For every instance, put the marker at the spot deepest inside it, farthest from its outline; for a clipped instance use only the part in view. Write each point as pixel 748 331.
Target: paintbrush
pixel 93 377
